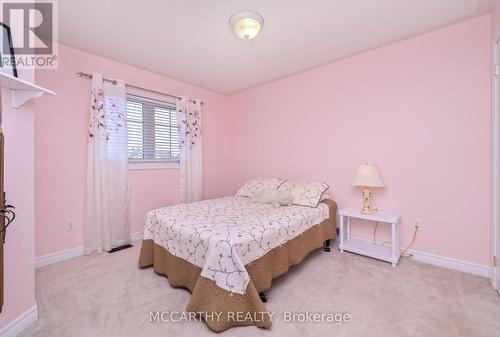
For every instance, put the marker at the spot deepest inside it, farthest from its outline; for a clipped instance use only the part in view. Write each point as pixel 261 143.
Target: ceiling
pixel 191 40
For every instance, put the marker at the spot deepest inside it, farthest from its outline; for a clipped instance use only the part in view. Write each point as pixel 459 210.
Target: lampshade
pixel 246 24
pixel 367 175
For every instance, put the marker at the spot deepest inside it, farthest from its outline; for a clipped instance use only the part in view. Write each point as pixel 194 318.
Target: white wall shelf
pixel 22 91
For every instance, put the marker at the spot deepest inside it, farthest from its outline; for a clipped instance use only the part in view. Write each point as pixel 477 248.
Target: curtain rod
pixel 89 76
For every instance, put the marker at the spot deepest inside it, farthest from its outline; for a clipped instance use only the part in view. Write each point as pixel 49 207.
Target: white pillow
pixel 274 197
pixel 304 194
pixel 250 188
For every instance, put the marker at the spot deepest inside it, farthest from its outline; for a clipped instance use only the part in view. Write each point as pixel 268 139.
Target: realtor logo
pixel 33 26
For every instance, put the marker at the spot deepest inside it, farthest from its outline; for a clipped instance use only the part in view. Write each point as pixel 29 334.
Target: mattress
pixel 222 236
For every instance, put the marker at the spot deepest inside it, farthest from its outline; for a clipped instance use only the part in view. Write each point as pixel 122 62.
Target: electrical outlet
pixel 70 226
pixel 417 224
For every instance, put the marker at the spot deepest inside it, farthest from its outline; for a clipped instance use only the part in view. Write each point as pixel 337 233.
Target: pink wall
pixel 61 144
pixel 19 126
pixel 420 109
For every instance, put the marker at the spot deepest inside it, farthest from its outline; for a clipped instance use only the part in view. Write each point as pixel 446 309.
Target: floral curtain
pixel 107 222
pixel 189 117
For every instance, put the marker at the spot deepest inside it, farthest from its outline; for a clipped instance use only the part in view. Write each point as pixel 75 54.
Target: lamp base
pixel 367 194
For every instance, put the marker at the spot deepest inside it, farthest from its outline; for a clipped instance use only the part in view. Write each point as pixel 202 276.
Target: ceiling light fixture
pixel 246 24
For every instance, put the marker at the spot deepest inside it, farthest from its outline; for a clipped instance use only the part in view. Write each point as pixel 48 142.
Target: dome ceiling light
pixel 246 24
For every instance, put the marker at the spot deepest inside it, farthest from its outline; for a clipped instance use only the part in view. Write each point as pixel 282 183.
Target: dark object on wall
pixel 7 214
pixel 2 219
pixel 7 57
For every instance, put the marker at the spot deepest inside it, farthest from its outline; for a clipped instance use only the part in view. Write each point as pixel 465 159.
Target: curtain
pixel 189 117
pixel 107 222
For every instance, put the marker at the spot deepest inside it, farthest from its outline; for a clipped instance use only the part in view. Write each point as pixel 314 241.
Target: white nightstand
pixel 364 247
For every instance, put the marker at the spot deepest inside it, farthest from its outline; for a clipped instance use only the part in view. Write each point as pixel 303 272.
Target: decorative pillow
pixel 304 194
pixel 250 188
pixel 273 197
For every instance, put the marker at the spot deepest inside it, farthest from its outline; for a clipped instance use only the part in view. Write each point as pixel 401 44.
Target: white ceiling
pixel 191 40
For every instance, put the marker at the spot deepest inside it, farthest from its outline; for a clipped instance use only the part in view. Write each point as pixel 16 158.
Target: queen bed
pixel 226 251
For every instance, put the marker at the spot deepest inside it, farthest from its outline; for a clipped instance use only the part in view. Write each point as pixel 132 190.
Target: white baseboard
pixel 58 256
pixel 445 262
pixel 450 263
pixel 21 323
pixel 437 260
pixel 73 252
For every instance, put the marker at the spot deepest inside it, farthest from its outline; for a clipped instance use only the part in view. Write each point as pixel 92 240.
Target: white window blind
pixel 152 129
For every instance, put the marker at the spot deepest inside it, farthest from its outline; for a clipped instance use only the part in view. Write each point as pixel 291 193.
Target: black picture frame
pixel 6 37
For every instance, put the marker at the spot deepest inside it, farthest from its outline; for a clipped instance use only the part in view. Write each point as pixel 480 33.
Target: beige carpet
pixel 108 295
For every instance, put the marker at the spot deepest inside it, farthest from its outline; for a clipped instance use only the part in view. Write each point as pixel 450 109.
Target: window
pixel 153 132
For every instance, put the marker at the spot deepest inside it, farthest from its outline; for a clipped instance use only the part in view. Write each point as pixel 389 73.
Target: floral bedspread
pixel 222 235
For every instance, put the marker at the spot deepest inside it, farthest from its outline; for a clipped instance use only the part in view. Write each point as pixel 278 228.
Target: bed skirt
pixel 230 310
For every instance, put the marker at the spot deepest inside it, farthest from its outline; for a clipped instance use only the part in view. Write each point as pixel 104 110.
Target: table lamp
pixel 367 176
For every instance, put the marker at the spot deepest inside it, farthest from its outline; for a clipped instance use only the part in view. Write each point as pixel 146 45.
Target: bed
pixel 226 252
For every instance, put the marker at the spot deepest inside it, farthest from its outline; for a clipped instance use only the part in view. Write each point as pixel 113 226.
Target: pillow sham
pixel 274 197
pixel 250 188
pixel 303 193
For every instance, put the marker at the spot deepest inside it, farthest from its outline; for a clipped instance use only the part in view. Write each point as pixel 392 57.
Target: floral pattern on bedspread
pixel 222 235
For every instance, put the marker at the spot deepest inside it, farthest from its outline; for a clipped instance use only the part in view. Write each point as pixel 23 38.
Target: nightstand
pixel 365 247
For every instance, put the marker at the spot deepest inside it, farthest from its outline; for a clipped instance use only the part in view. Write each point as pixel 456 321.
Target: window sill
pixel 152 165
